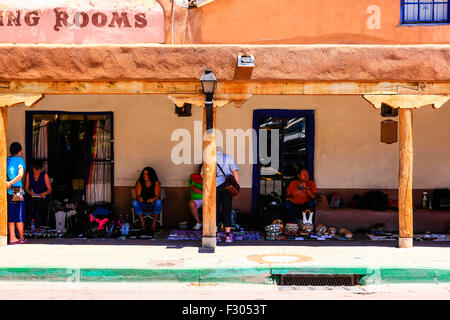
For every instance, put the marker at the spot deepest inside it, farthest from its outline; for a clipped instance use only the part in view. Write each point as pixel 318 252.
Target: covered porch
pixel 396 76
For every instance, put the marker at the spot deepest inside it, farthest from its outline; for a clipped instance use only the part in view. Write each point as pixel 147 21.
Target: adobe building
pixel 107 77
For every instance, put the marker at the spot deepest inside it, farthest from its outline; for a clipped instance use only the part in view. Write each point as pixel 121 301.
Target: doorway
pixel 77 151
pixel 295 130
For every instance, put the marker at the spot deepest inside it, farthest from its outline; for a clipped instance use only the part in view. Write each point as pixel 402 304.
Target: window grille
pixel 425 11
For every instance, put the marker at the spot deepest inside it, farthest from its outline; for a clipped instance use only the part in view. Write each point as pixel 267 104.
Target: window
pixel 425 11
pixel 77 152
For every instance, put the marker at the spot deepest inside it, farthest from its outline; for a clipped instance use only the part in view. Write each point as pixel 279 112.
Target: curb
pixel 257 275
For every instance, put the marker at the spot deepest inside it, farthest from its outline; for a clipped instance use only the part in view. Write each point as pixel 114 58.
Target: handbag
pixel 17 194
pixel 231 184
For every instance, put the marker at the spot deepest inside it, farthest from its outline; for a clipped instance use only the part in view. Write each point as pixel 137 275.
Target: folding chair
pixel 135 218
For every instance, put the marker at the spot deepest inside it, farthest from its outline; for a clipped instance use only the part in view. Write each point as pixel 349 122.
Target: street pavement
pixel 37 290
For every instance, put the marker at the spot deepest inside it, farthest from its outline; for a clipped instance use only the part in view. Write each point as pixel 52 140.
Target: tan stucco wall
pixel 348 152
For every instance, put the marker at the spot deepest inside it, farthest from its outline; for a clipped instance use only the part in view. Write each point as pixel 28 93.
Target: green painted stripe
pixel 412 275
pixel 246 275
pixel 443 276
pixel 318 270
pixel 144 275
pixel 38 273
pixel 262 275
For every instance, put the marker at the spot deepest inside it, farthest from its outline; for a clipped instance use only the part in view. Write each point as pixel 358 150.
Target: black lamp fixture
pixel 209 83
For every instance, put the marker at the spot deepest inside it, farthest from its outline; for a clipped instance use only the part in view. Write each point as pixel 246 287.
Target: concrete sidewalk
pixel 142 260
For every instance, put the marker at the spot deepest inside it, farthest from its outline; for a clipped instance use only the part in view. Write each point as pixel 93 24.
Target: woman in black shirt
pixel 147 200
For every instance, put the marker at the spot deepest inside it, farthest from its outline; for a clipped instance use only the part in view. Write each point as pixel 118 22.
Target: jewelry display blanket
pixel 417 237
pixel 197 235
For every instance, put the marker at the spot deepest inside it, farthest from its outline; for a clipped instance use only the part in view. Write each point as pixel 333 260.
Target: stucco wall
pixel 348 151
pixel 308 21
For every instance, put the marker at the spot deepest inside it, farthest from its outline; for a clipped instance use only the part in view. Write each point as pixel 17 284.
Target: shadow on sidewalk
pixel 161 239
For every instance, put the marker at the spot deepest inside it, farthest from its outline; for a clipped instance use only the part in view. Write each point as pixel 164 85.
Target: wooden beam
pixel 3 195
pixel 224 87
pixel 220 100
pixel 434 87
pixel 10 100
pixel 5 119
pixel 407 101
pixel 405 180
pixel 209 184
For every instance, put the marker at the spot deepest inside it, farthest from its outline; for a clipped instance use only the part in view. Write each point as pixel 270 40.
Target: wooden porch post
pixel 406 104
pixel 209 184
pixel 8 100
pixel 3 196
pixel 405 179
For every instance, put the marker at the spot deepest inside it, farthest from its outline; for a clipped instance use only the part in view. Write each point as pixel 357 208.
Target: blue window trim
pixel 282 113
pixel 29 136
pixel 422 23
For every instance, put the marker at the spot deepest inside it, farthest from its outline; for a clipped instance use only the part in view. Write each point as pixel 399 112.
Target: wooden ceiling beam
pixel 224 87
pixel 407 101
pixel 10 100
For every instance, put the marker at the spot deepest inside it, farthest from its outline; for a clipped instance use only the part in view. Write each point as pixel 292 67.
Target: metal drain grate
pixel 319 279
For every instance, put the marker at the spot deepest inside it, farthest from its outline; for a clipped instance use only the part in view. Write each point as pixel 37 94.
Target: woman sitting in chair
pixel 38 187
pixel 147 200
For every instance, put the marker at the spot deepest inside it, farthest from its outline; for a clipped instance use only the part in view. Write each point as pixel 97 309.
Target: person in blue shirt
pixel 223 198
pixel 15 167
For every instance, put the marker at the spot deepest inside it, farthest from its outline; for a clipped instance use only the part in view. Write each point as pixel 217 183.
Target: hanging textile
pixel 40 140
pixel 99 181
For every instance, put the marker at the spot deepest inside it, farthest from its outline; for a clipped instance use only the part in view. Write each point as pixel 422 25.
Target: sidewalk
pixel 146 260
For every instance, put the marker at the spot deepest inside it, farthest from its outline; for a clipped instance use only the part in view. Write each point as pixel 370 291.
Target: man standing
pixel 300 196
pixel 225 166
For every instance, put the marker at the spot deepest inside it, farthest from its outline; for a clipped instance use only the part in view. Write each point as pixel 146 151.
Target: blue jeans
pixel 294 211
pixel 147 208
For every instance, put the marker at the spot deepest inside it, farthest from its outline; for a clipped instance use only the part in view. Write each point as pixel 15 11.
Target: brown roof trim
pixel 183 62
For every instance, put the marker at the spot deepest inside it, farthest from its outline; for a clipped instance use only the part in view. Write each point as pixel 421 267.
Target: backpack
pixel 335 201
pixel 272 198
pixel 375 200
pixel 269 213
pixel 441 198
pixel 271 208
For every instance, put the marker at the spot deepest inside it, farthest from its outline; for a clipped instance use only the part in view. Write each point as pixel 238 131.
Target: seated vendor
pixel 300 196
pixel 38 187
pixel 196 186
pixel 147 201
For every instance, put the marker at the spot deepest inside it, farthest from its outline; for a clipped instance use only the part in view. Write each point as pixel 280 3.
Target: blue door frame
pixel 282 113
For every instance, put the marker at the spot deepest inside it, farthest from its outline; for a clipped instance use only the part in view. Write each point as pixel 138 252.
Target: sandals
pixel 18 242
